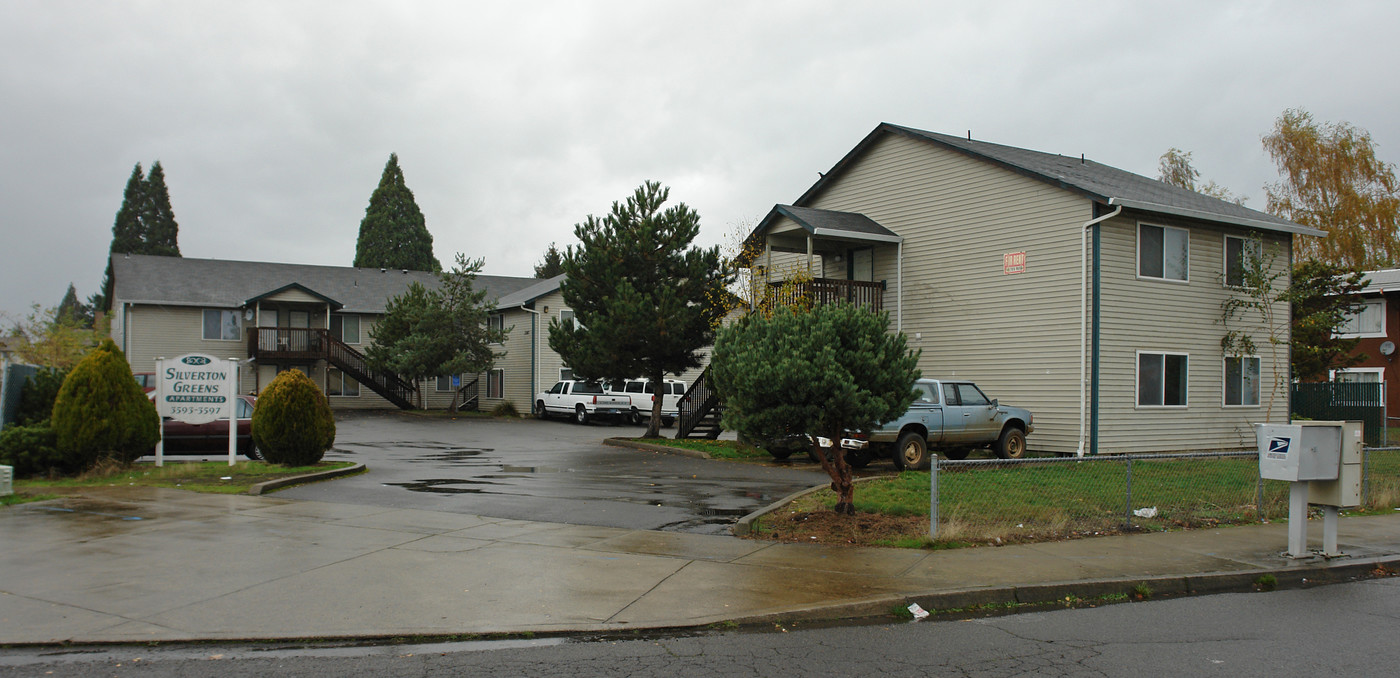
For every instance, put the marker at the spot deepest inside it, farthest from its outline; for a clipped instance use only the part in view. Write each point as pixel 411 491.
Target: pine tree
pixel 645 301
pixel 159 230
pixel 145 224
pixel 393 233
pixel 551 265
pixel 821 371
pixel 72 311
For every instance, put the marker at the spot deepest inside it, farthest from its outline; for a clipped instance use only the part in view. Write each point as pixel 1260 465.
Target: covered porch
pixel 814 256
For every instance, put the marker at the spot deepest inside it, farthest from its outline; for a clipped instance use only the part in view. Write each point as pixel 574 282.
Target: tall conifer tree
pixel 159 231
pixel 645 301
pixel 393 233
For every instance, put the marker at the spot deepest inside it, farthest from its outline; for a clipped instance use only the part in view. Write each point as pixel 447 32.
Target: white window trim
pixel 1225 258
pixel 500 318
pixel 1332 374
pixel 490 372
pixel 359 327
pixel 1224 371
pixel 1370 335
pixel 221 311
pixel 1137 259
pixel 343 377
pixel 1137 381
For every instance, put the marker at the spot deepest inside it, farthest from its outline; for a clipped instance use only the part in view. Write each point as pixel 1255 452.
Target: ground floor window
pixel 496 384
pixel 444 384
pixel 340 384
pixel 566 374
pixel 1242 381
pixel 1161 379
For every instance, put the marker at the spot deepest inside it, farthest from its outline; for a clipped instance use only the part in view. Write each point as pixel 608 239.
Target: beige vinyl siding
pixel 515 363
pixel 1174 317
pixel 1016 335
pixel 172 331
pixel 294 296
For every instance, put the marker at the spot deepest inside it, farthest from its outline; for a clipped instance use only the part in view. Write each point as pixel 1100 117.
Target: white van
pixel 639 390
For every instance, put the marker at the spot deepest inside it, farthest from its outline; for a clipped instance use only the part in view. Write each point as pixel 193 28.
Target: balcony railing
pixel 828 291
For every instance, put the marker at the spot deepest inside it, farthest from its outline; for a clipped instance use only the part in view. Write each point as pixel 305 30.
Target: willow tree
pixel 1331 179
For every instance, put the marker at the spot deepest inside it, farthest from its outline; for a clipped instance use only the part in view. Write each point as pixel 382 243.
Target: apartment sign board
pixel 1014 262
pixel 195 388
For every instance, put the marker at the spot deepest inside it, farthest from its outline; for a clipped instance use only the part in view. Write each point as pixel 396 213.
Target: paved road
pixel 554 471
pixel 1341 630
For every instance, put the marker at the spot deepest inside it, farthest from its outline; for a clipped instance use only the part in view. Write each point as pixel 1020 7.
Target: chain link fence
pixel 1035 499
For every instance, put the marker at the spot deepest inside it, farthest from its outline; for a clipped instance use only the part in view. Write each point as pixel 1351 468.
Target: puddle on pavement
pixel 445 486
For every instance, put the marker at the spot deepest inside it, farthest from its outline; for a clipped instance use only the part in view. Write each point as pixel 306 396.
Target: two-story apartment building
pixel 1088 294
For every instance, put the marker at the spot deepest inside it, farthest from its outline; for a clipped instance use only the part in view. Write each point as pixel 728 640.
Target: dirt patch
pixel 828 527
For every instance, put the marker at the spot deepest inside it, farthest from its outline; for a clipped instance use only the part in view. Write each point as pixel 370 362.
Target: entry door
pixel 862 265
pixel 301 320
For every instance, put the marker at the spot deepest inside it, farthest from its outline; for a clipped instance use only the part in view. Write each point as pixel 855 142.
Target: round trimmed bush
pixel 292 422
pixel 101 413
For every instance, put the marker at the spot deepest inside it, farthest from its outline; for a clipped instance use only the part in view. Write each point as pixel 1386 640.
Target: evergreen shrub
pixel 38 395
pixel 32 450
pixel 101 413
pixel 292 423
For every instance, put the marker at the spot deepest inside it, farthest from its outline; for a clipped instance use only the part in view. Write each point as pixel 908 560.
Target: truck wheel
pixel 540 413
pixel 911 452
pixel 580 414
pixel 859 458
pixel 1012 444
pixel 956 453
pixel 635 417
pixel 779 452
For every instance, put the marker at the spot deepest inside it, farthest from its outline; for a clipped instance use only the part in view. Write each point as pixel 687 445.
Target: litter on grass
pixel 1149 512
pixel 918 612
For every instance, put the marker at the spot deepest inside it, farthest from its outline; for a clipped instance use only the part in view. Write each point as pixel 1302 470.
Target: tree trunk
pixel 657 399
pixel 840 472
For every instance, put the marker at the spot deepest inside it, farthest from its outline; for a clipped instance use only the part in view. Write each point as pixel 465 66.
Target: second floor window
pixel 346 328
pixel 1367 321
pixel 1164 252
pixel 223 325
pixel 1239 253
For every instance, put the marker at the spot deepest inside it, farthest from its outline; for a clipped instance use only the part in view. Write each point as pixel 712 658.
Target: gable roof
pixel 1382 280
pixel 851 225
pixel 1096 181
pixel 524 296
pixel 219 283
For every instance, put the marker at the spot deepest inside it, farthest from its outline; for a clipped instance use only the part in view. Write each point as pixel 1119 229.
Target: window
pixel 1242 381
pixel 223 325
pixel 566 374
pixel 1163 252
pixel 566 316
pixel 496 383
pixel 1358 387
pixel 588 387
pixel 268 317
pixel 926 394
pixel 340 384
pixel 444 383
pixel 970 395
pixel 1161 380
pixel 346 328
pixel 1239 251
pixel 634 387
pixel 1359 375
pixel 557 388
pixel 1367 321
pixel 495 323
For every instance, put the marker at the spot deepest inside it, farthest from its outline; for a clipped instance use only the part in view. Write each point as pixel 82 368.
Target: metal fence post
pixel 1128 505
pixel 1365 475
pixel 933 497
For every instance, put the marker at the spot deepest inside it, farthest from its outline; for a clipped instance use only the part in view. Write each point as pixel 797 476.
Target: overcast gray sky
pixel 515 120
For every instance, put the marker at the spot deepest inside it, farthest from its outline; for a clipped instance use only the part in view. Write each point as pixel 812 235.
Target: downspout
pixel 899 280
pixel 1084 314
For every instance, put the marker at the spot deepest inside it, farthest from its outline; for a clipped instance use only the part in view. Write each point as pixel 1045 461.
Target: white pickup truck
pixel 582 400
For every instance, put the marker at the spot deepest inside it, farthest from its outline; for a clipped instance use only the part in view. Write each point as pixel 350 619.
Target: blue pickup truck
pixel 952 416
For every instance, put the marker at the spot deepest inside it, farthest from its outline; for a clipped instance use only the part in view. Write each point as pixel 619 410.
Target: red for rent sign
pixel 1014 262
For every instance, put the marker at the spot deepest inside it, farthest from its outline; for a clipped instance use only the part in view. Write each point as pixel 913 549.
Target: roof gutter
pixel 1084 319
pixel 1216 217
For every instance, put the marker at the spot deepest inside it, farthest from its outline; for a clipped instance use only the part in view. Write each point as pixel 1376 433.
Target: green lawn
pixel 718 449
pixel 212 476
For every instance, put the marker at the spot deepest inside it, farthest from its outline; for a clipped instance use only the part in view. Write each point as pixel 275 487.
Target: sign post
pixel 197 389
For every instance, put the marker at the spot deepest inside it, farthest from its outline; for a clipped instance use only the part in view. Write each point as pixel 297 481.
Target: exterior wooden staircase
pixel 700 411
pixel 296 343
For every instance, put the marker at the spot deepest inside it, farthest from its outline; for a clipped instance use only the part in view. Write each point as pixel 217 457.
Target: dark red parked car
pixel 212 438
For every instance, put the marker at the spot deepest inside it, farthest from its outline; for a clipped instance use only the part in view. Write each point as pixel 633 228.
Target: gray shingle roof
pixel 185 281
pixel 1383 280
pixel 829 222
pixel 531 293
pixel 1105 184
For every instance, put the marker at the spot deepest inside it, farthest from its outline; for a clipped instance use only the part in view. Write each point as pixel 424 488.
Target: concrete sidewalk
pixel 139 565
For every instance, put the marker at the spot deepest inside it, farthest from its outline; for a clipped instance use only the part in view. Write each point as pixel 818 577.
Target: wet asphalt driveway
pixel 551 471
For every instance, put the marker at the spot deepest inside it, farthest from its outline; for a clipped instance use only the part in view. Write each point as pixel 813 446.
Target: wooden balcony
pixel 287 343
pixel 870 295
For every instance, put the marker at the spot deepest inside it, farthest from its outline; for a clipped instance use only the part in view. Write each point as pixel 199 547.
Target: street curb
pixel 1012 597
pixel 652 447
pixel 262 488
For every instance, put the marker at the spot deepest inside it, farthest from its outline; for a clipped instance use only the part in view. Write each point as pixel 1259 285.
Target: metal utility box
pixel 1300 452
pixel 7 479
pixel 1345 490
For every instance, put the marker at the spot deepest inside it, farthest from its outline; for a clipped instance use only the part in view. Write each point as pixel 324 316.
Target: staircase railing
pixel 470 393
pixel 388 384
pixel 698 402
